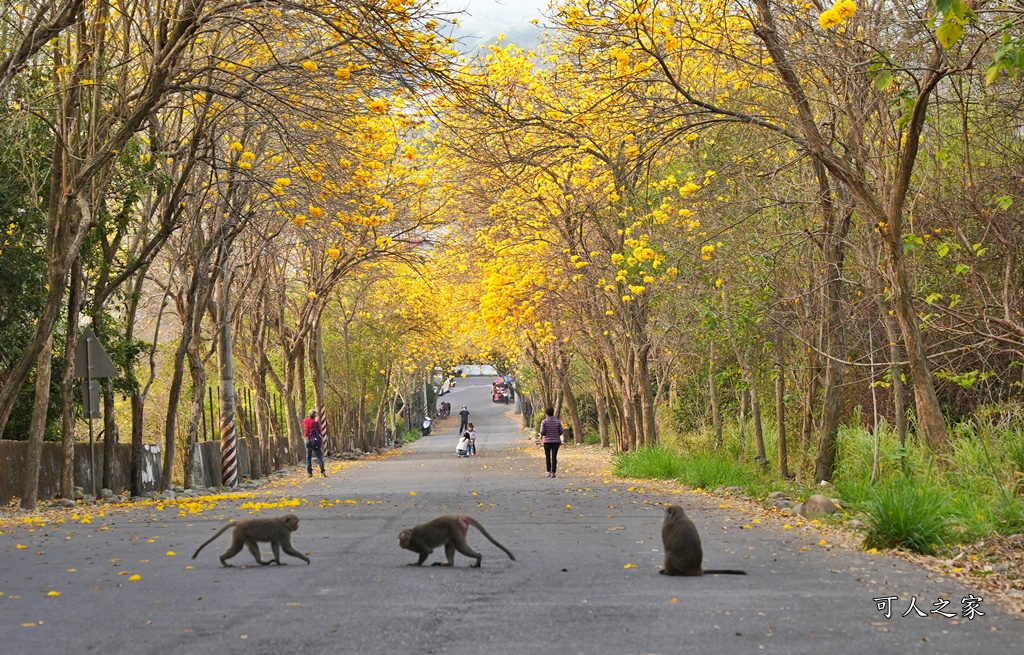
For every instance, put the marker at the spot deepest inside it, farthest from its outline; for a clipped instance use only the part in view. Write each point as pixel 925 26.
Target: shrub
pixel 704 469
pixel 906 515
pixel 655 462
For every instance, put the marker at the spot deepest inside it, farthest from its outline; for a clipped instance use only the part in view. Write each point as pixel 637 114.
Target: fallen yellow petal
pixel 673 600
pixel 171 553
pixel 53 594
pixel 135 578
pixel 412 493
pixel 787 526
pixel 629 566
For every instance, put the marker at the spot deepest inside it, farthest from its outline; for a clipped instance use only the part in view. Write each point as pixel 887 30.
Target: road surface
pixel 585 580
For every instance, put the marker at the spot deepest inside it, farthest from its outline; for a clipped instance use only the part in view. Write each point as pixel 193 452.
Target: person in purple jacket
pixel 551 437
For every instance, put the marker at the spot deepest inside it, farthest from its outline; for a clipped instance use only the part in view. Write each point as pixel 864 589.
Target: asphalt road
pixel 585 580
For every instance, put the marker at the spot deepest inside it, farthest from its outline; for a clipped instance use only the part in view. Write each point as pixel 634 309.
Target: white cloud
pixel 483 20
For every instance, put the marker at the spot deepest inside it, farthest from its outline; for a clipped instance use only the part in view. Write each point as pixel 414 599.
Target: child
pixel 462 450
pixel 472 439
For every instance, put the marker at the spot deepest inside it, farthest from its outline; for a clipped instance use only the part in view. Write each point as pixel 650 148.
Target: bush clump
pixel 903 514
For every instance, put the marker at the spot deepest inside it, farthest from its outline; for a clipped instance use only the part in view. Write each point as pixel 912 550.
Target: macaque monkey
pixel 447 531
pixel 278 531
pixel 683 554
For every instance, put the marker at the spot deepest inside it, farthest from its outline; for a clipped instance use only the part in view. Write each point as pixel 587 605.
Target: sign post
pixel 91 361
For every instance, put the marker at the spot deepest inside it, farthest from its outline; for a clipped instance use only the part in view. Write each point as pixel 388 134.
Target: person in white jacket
pixel 462 450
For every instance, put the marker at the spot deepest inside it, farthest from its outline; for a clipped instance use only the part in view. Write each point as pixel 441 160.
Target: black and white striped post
pixel 228 434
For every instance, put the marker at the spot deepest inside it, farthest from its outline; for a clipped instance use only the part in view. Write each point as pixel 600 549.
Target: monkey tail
pixel 219 533
pixel 724 572
pixel 476 524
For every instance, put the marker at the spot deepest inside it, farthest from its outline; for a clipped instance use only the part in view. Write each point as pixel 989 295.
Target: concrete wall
pixel 205 467
pixel 12 466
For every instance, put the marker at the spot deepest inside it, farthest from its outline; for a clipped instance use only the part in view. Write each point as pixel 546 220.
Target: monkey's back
pixel 679 536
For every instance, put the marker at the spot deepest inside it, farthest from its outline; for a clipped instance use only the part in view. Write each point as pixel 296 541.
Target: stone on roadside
pixel 784 503
pixel 817 506
pixel 106 493
pixel 778 495
pixel 67 502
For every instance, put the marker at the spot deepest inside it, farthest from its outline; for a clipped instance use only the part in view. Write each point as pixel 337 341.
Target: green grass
pixel 907 515
pixel 591 436
pixel 916 500
pixel 656 462
pixel 706 470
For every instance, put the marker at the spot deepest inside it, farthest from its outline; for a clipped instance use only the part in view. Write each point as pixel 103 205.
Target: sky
pixel 484 20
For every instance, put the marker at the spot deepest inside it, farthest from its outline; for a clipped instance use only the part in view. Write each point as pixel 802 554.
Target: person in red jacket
pixel 551 437
pixel 313 437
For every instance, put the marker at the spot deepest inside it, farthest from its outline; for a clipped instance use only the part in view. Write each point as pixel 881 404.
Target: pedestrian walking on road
pixel 463 420
pixel 551 437
pixel 313 437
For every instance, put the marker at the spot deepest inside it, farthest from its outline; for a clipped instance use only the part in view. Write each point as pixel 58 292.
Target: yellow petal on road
pixel 135 577
pixel 52 594
pixel 171 553
pixel 412 493
pixel 629 566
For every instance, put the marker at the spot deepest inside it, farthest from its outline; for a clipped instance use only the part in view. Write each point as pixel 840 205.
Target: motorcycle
pixel 426 425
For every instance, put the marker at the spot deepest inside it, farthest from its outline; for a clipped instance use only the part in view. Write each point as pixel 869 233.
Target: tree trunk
pixel 197 371
pixel 570 401
pixel 602 415
pixel 110 434
pixel 37 427
pixel 316 371
pixel 780 404
pixel 716 416
pixel 744 407
pixel 67 471
pixel 931 424
pixel 645 398
pixel 190 323
pixel 834 346
pixel 755 412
